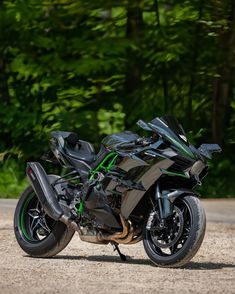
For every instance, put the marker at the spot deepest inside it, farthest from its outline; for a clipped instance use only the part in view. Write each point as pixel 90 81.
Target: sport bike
pixel 135 188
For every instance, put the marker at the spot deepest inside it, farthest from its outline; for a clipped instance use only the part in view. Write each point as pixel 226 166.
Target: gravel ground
pixel 88 268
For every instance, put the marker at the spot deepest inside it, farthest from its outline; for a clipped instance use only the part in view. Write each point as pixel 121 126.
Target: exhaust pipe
pixel 46 195
pixel 42 187
pixel 124 237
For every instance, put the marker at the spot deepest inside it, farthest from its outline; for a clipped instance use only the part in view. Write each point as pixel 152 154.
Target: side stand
pixel 115 247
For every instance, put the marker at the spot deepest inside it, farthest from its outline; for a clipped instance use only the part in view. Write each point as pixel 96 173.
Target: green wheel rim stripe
pixel 22 214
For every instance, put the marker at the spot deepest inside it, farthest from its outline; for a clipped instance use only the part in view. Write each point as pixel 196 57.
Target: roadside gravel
pixel 88 268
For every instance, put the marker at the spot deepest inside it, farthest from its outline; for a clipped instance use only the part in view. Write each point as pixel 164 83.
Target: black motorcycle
pixel 135 188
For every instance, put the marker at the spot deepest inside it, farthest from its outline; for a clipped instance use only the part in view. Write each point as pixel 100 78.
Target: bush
pixel 12 179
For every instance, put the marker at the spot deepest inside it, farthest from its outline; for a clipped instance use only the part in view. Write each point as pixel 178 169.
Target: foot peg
pixel 115 247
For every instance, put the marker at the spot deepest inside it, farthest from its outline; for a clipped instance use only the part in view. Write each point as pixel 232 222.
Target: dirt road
pixel 87 268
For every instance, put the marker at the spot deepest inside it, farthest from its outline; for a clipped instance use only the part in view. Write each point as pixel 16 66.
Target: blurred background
pixel 96 67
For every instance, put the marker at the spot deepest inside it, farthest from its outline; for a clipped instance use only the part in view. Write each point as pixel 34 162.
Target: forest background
pixel 96 67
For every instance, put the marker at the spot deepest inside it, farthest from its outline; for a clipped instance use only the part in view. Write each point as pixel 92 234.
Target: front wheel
pixel 176 243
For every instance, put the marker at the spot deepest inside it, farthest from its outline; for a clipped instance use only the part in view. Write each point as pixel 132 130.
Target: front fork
pixel 165 209
pixel 165 205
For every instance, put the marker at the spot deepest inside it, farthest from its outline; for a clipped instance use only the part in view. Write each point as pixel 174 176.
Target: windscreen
pixel 168 127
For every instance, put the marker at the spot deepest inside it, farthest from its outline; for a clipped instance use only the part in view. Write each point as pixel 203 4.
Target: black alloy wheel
pixel 175 244
pixel 35 225
pixel 36 233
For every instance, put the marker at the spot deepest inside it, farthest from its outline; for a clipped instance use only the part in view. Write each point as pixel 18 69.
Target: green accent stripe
pixel 179 174
pixel 22 215
pixel 181 146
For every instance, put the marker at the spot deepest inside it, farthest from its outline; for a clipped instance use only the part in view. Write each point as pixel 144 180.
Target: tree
pixel 97 67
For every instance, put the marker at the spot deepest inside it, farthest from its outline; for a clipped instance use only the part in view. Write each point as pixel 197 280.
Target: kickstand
pixel 115 247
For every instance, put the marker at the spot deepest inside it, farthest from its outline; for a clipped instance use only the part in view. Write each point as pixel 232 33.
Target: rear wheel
pixel 38 234
pixel 177 243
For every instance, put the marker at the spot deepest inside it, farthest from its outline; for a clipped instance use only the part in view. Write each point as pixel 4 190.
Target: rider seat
pixel 81 150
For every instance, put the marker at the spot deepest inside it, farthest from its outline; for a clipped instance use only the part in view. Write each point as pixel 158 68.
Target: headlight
pixel 197 168
pixel 199 171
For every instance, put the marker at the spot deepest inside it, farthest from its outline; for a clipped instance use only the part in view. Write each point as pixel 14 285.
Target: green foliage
pixel 111 121
pixel 12 179
pixel 215 185
pixel 96 67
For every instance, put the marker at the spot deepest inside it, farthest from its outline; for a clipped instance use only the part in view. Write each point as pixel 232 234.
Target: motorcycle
pixel 136 188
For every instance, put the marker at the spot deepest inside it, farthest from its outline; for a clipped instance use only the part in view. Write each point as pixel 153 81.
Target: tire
pixel 56 238
pixel 189 240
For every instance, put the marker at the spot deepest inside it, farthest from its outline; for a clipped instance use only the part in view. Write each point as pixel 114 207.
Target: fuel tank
pixel 112 141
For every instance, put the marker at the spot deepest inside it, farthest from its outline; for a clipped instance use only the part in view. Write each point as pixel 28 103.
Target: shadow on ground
pixel 106 258
pixel 116 259
pixel 208 265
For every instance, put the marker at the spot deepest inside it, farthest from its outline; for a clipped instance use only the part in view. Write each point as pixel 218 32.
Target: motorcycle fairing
pixel 147 179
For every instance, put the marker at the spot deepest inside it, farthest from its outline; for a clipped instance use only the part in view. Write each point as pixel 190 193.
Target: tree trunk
pixel 164 67
pixel 194 68
pixel 223 84
pixel 134 28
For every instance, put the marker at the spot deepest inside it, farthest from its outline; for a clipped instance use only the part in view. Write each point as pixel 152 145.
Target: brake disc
pixel 168 236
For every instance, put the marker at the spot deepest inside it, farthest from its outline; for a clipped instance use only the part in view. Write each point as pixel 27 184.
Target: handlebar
pixel 129 145
pixel 139 142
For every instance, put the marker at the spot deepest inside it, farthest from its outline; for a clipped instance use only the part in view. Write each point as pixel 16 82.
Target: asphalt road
pixel 87 268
